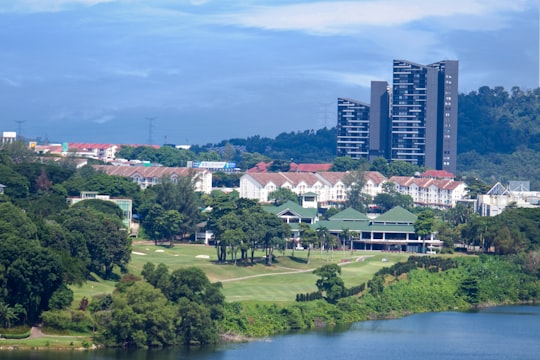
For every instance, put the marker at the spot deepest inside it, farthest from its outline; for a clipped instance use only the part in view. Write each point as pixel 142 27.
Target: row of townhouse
pixel 435 193
pixel 146 176
pixel 331 189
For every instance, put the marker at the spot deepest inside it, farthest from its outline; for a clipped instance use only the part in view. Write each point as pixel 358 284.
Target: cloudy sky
pixel 200 71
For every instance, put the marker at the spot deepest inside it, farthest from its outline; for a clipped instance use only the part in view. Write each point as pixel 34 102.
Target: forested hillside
pixel 498 138
pixel 499 135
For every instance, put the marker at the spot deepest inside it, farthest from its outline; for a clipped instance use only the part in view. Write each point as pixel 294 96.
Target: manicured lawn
pixel 278 283
pixel 49 342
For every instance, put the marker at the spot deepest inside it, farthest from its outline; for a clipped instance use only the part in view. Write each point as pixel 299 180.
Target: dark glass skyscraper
pixel 424 114
pixel 353 128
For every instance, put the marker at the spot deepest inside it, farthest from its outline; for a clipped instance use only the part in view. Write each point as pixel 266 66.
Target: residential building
pixel 379 120
pixel 104 152
pixel 424 114
pixel 414 121
pixel 353 128
pixel 146 176
pixel 329 187
pixel 430 192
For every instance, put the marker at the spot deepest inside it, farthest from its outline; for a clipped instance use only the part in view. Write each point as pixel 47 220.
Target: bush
pixel 56 319
pixel 68 320
pixel 17 336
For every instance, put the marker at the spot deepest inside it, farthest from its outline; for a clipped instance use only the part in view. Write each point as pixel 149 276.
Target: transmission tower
pixel 325 115
pixel 19 128
pixel 150 128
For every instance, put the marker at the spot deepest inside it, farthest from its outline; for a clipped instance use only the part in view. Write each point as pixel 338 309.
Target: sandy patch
pixel 160 250
pixel 137 253
pixel 202 257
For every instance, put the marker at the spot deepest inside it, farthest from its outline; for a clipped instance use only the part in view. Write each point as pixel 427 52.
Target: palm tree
pixel 345 234
pixel 308 237
pixel 352 235
pixel 7 315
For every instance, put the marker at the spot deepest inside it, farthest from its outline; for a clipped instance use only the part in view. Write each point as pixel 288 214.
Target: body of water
pixel 505 333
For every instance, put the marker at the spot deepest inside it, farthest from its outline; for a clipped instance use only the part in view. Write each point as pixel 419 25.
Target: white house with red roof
pixel 146 176
pixel 104 152
pixel 331 188
pixel 430 192
pixel 328 186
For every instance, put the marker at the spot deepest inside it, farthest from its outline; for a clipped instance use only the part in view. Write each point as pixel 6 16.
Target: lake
pixel 508 332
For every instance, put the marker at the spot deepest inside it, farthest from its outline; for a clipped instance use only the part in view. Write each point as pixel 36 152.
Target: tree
pixel 423 226
pixel 168 225
pixel 459 214
pixel 282 195
pixel 7 315
pixel 402 168
pixel 346 163
pixel 330 283
pixel 280 165
pixel 380 164
pixel 102 206
pixel 355 182
pixel 17 186
pixel 104 237
pixel 200 302
pixel 179 195
pixel 323 235
pixel 141 316
pixel 391 198
pixel 308 236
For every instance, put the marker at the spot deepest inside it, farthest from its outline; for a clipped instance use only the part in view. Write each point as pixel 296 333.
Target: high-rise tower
pixel 424 114
pixel 352 128
pixel 414 120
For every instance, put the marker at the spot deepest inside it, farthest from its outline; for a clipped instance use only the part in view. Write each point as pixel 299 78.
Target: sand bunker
pixel 137 253
pixel 202 257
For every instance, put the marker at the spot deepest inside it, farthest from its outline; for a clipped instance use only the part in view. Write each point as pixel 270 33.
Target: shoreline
pixel 226 338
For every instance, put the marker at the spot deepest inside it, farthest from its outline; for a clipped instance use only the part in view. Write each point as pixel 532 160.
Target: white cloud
pixel 104 119
pixel 346 17
pixel 10 82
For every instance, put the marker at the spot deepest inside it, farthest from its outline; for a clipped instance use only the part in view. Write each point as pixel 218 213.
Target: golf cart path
pixel 294 271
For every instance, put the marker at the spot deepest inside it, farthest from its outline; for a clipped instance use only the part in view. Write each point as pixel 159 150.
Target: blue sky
pixel 204 71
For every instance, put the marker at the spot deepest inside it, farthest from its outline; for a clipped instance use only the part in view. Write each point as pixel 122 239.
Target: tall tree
pixel 355 182
pixel 308 236
pixel 423 226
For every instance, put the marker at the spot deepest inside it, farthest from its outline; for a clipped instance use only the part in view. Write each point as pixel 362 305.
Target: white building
pixel 499 197
pixel 436 193
pixel 146 176
pixel 329 187
pixel 9 137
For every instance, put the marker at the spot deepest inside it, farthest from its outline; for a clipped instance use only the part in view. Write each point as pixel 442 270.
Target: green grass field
pixel 278 283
